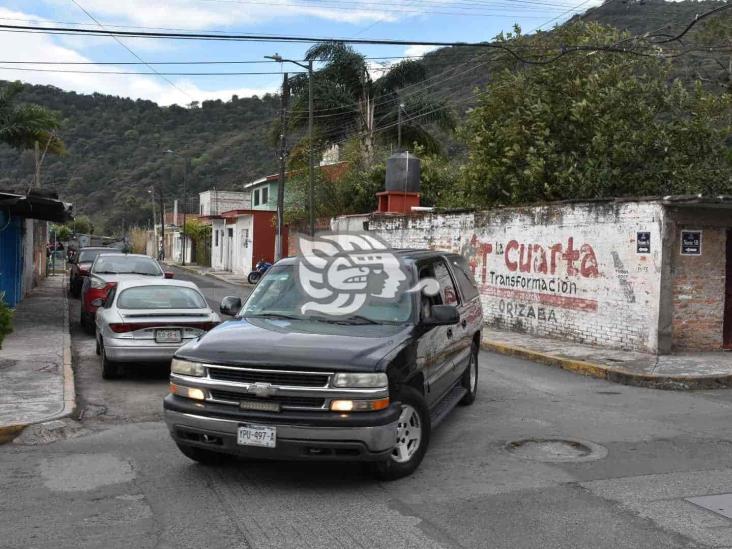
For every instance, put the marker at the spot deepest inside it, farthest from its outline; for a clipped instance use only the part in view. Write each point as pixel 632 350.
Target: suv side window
pixel 447 287
pixel 464 277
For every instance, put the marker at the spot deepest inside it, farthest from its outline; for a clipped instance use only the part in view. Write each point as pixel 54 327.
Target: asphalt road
pixel 117 480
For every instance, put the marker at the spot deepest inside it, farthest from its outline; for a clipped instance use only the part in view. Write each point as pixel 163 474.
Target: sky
pixel 418 20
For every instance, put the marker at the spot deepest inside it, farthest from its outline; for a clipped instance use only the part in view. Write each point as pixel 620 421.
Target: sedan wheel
pixel 110 370
pixel 470 378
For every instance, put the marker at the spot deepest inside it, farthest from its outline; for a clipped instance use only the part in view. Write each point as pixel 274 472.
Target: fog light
pixel 187 392
pixel 359 405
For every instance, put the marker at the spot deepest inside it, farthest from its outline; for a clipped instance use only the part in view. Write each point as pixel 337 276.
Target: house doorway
pixel 727 331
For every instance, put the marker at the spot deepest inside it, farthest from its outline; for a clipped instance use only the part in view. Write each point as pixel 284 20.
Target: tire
pixel 98 347
pixel 254 277
pixel 404 461
pixel 469 382
pixel 201 455
pixel 110 370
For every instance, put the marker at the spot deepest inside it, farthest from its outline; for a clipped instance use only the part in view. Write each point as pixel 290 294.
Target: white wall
pixel 216 202
pixel 570 271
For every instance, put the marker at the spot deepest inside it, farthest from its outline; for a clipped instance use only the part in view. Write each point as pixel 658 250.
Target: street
pixel 116 479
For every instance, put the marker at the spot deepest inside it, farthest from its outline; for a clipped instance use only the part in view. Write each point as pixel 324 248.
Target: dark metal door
pixel 727 337
pixel 11 259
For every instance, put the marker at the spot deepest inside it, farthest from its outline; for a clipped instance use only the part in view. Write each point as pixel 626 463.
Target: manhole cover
pixel 556 450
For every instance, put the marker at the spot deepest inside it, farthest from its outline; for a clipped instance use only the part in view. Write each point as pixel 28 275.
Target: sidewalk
pixel 224 276
pixel 37 383
pixel 676 372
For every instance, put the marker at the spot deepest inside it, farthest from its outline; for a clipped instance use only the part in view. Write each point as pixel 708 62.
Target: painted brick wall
pixel 698 284
pixel 570 271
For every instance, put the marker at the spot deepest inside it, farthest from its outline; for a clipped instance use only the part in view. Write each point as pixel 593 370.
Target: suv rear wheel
pixel 470 377
pixel 412 437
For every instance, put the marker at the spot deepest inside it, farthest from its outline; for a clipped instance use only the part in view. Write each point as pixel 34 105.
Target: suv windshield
pixel 279 295
pixel 124 264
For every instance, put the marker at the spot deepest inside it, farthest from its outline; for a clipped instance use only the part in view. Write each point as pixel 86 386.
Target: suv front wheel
pixel 412 437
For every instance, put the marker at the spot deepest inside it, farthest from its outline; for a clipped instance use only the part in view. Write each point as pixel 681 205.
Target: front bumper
pixel 303 436
pixel 130 350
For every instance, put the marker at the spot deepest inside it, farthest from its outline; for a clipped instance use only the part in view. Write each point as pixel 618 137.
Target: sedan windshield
pixel 88 256
pixel 160 297
pixel 279 295
pixel 113 264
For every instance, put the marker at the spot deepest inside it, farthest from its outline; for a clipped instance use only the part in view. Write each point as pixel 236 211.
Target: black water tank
pixel 402 173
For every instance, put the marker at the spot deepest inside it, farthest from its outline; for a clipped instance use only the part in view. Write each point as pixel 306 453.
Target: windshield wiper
pixel 351 320
pixel 106 272
pixel 274 315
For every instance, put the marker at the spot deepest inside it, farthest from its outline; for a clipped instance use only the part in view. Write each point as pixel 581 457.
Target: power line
pixel 156 73
pixel 116 39
pixel 694 22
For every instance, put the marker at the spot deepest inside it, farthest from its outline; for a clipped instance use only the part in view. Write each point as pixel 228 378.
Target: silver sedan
pixel 147 321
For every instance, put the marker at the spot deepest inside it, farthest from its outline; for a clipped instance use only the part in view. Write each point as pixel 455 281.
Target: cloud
pixel 418 51
pixel 154 88
pixel 210 14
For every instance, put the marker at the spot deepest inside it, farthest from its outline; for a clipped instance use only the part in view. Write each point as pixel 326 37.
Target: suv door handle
pixel 449 332
pixel 463 323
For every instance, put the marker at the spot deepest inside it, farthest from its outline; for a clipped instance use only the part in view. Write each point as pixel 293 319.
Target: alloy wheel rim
pixel 408 436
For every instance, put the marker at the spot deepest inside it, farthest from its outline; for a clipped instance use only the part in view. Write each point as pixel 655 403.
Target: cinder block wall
pixel 698 286
pixel 570 271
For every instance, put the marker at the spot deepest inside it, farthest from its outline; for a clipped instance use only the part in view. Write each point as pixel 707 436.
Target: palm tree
pixel 348 102
pixel 24 125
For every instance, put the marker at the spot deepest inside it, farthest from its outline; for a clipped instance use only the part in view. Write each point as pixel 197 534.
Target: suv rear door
pixel 471 312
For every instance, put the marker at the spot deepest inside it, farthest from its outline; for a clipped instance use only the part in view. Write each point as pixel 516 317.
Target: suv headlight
pixel 186 368
pixel 360 381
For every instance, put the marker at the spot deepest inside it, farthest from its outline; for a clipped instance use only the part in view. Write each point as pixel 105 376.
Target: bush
pixel 6 316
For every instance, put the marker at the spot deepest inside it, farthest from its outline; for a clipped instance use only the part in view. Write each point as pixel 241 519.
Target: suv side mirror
pixel 442 315
pixel 230 305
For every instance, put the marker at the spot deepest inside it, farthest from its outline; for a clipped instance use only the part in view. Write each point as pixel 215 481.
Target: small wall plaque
pixel 643 242
pixel 691 242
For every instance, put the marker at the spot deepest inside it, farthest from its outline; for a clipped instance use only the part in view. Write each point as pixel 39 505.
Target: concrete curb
pixel 613 374
pixel 9 432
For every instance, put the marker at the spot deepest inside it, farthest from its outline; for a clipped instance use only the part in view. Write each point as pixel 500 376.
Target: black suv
pixel 274 383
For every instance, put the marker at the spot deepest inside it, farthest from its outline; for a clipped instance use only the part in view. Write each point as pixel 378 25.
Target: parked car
pixel 276 383
pixel 106 271
pixel 144 321
pixel 81 264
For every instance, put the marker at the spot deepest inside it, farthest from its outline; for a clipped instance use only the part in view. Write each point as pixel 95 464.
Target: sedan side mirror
pixel 442 315
pixel 169 274
pixel 230 305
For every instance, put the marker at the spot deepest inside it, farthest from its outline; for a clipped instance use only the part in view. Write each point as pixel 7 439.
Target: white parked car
pixel 147 320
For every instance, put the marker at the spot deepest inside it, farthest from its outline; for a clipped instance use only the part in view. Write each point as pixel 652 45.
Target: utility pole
pixel 399 128
pixel 311 138
pixel 283 168
pixel 156 249
pixel 185 179
pixel 162 226
pixel 311 162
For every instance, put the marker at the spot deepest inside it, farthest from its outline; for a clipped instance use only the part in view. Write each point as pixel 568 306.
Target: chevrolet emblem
pixel 262 389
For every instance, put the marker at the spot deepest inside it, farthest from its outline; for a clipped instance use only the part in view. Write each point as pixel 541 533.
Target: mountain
pixel 116 151
pixel 116 147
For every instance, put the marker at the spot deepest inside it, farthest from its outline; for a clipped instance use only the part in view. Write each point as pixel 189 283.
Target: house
pixel 23 235
pixel 242 237
pixel 214 202
pixel 264 190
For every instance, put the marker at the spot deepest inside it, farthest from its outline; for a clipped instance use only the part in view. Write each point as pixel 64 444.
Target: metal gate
pixel 11 258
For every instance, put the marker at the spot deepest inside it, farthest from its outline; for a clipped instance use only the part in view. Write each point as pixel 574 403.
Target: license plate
pixel 167 336
pixel 257 435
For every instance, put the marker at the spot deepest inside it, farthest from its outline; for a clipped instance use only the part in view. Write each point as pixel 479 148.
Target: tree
pixel 82 225
pixel 593 125
pixel 349 102
pixel 24 125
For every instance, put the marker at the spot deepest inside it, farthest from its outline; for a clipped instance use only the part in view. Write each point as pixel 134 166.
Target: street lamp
pixel 311 162
pixel 185 178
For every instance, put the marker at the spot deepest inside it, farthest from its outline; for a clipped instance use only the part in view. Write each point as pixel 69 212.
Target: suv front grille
pixel 284 401
pixel 294 379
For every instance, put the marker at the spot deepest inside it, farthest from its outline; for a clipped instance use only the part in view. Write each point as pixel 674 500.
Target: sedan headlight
pixel 360 381
pixel 186 368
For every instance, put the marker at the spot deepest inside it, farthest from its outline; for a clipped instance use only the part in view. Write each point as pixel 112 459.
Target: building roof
pixel 238 212
pixel 330 171
pixel 35 205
